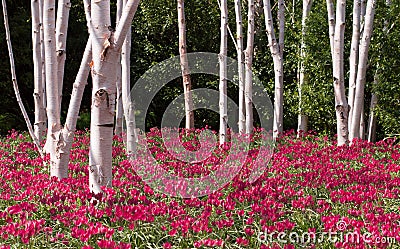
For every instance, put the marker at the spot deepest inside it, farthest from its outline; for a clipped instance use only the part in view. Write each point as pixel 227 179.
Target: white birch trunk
pixel 362 70
pixel 372 115
pixel 43 58
pixel 61 41
pixel 119 107
pixel 342 108
pixel 277 56
pixel 106 47
pixel 223 75
pixel 187 85
pixel 332 23
pixel 241 71
pixel 40 111
pixel 355 41
pixel 248 87
pixel 302 123
pixel 14 79
pixel 52 93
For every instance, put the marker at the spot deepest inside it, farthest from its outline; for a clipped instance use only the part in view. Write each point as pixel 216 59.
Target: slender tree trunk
pixel 362 70
pixel 355 41
pixel 14 79
pixel 187 85
pixel 106 46
pixel 40 111
pixel 342 108
pixel 248 53
pixel 332 23
pixel 223 75
pixel 119 107
pixel 276 48
pixel 43 59
pixel 362 124
pixel 61 41
pixel 372 114
pixel 302 118
pixel 241 71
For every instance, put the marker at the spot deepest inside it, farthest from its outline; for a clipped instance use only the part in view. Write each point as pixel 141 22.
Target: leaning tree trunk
pixel 342 108
pixel 362 70
pixel 53 98
pixel 241 72
pixel 187 85
pixel 223 75
pixel 302 118
pixel 277 56
pixel 40 111
pixel 355 41
pixel 248 53
pixel 61 41
pixel 119 112
pixel 106 46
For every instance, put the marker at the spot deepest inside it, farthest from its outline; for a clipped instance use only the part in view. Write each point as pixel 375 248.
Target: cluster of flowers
pixel 309 185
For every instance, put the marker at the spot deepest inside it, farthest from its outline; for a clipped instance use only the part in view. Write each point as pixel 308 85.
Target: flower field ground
pixel 312 194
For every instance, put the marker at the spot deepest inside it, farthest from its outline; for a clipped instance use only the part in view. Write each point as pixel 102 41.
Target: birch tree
pixel 331 23
pixel 362 69
pixel 106 45
pixel 40 111
pixel 248 53
pixel 223 108
pixel 119 112
pixel 276 48
pixel 302 118
pixel 241 71
pixel 187 85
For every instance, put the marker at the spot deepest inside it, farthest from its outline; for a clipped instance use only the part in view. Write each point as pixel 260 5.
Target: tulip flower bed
pixel 310 188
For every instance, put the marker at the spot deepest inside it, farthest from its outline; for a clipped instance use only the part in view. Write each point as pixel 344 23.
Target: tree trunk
pixel 332 22
pixel 61 41
pixel 53 98
pixel 276 48
pixel 14 79
pixel 248 87
pixel 119 107
pixel 362 70
pixel 372 114
pixel 106 47
pixel 302 118
pixel 187 85
pixel 43 59
pixel 40 111
pixel 241 72
pixel 355 41
pixel 223 75
pixel 342 108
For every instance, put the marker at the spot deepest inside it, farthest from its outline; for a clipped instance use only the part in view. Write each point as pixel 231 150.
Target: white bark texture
pixel 14 79
pixel 40 111
pixel 61 41
pixel 355 41
pixel 302 118
pixel 187 85
pixel 342 108
pixel 223 108
pixel 362 70
pixel 372 115
pixel 43 58
pixel 119 112
pixel 106 46
pixel 332 22
pixel 241 71
pixel 248 53
pixel 276 48
pixel 53 98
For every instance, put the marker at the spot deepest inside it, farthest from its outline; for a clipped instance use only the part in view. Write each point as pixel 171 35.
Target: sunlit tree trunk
pixel 187 85
pixel 276 48
pixel 331 22
pixel 362 70
pixel 40 111
pixel 342 108
pixel 372 115
pixel 119 107
pixel 355 41
pixel 43 58
pixel 302 118
pixel 248 53
pixel 106 46
pixel 223 108
pixel 61 41
pixel 241 71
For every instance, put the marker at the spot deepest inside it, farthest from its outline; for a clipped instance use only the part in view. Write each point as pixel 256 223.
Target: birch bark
pixel 119 107
pixel 331 22
pixel 241 71
pixel 223 109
